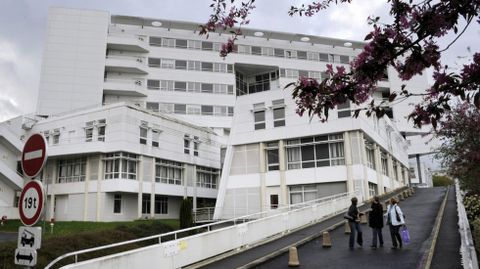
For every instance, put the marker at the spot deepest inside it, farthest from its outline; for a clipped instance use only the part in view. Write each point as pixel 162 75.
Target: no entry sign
pixel 31 203
pixel 34 155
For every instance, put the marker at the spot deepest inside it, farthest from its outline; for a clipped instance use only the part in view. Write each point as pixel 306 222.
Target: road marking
pixel 34 154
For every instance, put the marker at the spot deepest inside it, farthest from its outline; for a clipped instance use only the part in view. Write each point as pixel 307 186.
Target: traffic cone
pixel 293 257
pixel 363 218
pixel 327 241
pixel 347 228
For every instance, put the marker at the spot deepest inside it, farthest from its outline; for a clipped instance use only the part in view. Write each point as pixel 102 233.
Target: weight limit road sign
pixel 34 155
pixel 30 205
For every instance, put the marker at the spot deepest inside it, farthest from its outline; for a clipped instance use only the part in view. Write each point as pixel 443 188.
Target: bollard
pixel 347 227
pixel 400 197
pixel 293 257
pixel 327 241
pixel 363 218
pixel 405 194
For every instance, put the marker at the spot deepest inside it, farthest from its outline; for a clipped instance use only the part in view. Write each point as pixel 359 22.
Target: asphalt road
pixel 7 237
pixel 420 211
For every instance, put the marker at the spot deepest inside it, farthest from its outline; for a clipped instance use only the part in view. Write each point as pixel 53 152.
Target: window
pixel 207 87
pixel 243 49
pixel 207 45
pixel 207 66
pixel 395 170
pixel 117 203
pixel 180 64
pixel 196 144
pixel 89 131
pixel 279 53
pixel 370 154
pixel 194 44
pixel 272 156
pixel 302 193
pixel 267 51
pixel 72 170
pixel 194 86
pixel 153 106
pixel 290 54
pixel 194 65
pixel 273 201
pixel 186 144
pixel 229 68
pixel 181 43
pixel 155 138
pixel 161 204
pixel 302 55
pixel 256 50
pixel 303 73
pixel 168 63
pixel 323 57
pixel 153 62
pixel 180 109
pixel 219 68
pixel 143 132
pixel 230 111
pixel 344 59
pixel 180 86
pixel 316 151
pixel 168 42
pixel 56 136
pixel 278 113
pixel 259 116
pixel 344 110
pixel 312 56
pixel 120 165
pixel 146 204
pixel 207 110
pixel 155 41
pixel 372 189
pixel 207 177
pixel 168 172
pixel 101 125
pixel 384 164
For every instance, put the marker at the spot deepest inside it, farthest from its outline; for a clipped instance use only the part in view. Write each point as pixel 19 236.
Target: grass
pixel 73 227
pixel 69 236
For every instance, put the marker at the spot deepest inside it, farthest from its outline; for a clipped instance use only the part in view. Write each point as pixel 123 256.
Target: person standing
pixel 395 219
pixel 375 220
pixel 354 222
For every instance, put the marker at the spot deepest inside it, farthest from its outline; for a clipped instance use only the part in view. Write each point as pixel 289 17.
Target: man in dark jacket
pixel 354 222
pixel 376 222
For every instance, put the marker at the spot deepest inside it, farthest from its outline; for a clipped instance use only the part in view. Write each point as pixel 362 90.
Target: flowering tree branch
pixel 409 45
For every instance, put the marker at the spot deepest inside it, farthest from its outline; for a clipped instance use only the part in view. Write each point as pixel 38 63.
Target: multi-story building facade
pixel 119 162
pixel 94 59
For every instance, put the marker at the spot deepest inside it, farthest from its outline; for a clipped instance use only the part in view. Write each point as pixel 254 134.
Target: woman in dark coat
pixel 376 222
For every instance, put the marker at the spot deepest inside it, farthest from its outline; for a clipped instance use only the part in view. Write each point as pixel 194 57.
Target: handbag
pixel 346 216
pixel 405 234
pixel 397 215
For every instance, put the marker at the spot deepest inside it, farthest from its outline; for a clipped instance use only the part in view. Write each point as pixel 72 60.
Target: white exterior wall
pixel 74 60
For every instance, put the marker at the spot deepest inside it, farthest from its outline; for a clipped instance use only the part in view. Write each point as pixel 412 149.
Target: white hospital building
pixel 141 112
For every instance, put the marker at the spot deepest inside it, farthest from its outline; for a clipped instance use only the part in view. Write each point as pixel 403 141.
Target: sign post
pixel 32 201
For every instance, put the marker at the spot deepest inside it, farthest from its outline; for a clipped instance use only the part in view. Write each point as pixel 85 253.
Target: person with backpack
pixel 395 219
pixel 375 221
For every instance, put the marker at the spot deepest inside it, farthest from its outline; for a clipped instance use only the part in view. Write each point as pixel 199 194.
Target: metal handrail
pixel 242 219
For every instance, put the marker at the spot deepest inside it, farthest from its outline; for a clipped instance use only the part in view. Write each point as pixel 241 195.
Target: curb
pixel 436 229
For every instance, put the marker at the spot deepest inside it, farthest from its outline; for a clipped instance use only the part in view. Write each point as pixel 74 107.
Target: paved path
pixel 252 254
pixel 420 211
pixel 447 254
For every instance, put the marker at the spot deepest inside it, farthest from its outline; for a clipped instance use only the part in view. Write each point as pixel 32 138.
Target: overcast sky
pixel 23 26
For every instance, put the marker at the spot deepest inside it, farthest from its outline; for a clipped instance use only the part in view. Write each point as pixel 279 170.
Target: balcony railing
pixel 126 64
pixel 131 87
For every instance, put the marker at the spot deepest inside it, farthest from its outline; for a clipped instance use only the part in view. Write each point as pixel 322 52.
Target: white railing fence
pixel 467 248
pixel 214 238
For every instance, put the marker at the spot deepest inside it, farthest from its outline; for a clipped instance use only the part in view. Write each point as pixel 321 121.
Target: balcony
pixel 126 64
pixel 126 87
pixel 124 42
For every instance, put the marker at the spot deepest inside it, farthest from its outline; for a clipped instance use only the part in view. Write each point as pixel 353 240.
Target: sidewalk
pixel 447 250
pixel 312 255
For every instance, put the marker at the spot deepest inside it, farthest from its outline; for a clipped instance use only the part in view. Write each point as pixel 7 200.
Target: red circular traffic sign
pixel 31 201
pixel 34 155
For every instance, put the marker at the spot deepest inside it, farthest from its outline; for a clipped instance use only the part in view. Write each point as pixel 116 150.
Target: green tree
pixel 439 180
pixel 186 218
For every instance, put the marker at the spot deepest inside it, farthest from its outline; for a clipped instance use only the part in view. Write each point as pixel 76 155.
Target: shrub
pixel 472 206
pixel 439 181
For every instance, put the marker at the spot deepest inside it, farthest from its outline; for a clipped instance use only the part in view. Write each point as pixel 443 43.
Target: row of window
pixel 183 86
pixel 190 65
pixel 160 204
pixel 54 134
pixel 384 162
pixel 97 125
pixel 191 109
pixel 122 165
pixel 251 50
